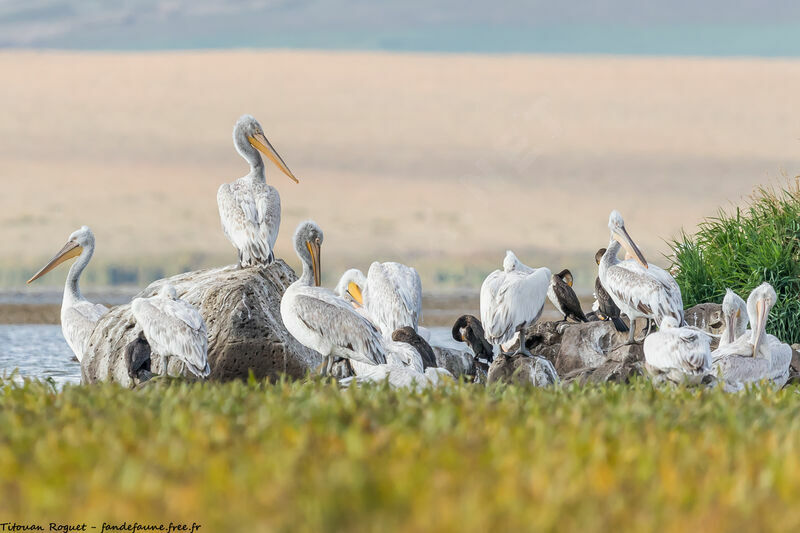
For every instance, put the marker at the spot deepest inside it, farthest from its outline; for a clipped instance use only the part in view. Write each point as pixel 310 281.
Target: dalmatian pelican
pixel 175 330
pixel 78 315
pixel 734 314
pixel 678 354
pixel 638 288
pixel 511 300
pixel 758 355
pixel 249 209
pixel 391 293
pixel 318 318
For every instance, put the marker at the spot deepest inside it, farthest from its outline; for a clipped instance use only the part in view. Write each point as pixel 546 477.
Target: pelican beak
pixel 313 249
pixel 621 235
pixel 260 143
pixel 355 292
pixel 760 326
pixel 70 250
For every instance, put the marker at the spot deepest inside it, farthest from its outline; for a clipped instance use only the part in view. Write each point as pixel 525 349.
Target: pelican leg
pixel 522 348
pixel 632 332
pixel 324 368
pixel 329 370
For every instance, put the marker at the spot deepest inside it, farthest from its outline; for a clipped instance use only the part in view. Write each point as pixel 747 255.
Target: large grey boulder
pixel 522 370
pixel 588 345
pixel 241 308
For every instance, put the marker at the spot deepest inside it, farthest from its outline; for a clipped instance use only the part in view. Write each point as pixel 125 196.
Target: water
pixel 37 351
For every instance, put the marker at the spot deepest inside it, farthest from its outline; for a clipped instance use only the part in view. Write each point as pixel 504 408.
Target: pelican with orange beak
pixel 755 355
pixel 249 209
pixel 638 288
pixel 321 320
pixel 78 315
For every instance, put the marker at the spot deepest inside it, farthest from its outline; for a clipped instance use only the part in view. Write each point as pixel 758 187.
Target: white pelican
pixel 390 292
pixel 735 319
pixel 511 300
pixel 319 319
pixel 758 355
pixel 175 329
pixel 78 315
pixel 250 210
pixel 400 377
pixel 638 289
pixel 678 354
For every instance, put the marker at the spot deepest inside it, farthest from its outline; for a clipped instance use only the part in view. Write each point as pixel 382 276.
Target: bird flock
pixel 369 325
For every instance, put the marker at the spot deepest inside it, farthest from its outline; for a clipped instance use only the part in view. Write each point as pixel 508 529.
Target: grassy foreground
pixel 309 457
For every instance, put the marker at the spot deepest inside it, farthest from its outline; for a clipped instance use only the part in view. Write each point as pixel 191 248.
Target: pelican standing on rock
pixel 638 289
pixel 511 300
pixel 678 354
pixel 78 315
pixel 758 355
pixel 249 209
pixel 319 319
pixel 174 329
pixel 563 297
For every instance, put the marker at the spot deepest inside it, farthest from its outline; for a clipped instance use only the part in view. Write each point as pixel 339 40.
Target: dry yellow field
pixel 422 158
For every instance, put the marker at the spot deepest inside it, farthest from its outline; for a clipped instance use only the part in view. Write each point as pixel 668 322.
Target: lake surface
pixel 37 351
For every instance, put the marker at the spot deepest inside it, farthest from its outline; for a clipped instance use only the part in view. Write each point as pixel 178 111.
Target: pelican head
pixel 735 323
pixel 566 276
pixel 759 304
pixel 620 234
pixel 81 240
pixel 307 243
pixel 351 286
pixel 168 291
pixel 249 135
pixel 510 262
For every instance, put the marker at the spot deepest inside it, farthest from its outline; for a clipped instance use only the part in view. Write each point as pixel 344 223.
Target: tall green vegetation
pixel 251 457
pixel 743 248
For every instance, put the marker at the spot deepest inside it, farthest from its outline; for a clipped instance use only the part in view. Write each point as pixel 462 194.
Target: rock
pixel 707 317
pixel 522 370
pixel 241 308
pixel 457 362
pixel 795 364
pixel 544 339
pixel 608 372
pixel 587 345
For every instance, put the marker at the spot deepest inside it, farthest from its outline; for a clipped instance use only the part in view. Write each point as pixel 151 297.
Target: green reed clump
pixel 742 249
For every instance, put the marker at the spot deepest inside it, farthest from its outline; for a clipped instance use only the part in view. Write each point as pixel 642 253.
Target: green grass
pixel 309 457
pixel 743 248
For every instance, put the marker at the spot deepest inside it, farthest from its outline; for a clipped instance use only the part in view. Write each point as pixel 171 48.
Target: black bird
pixel 409 336
pixel 138 354
pixel 606 308
pixel 469 329
pixel 563 297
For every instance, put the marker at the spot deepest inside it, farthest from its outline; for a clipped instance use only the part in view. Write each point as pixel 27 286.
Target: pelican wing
pixel 174 328
pixel 394 296
pixel 681 349
pixel 77 324
pixel 403 354
pixel 652 291
pixel 250 217
pixel 334 320
pixel 510 299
